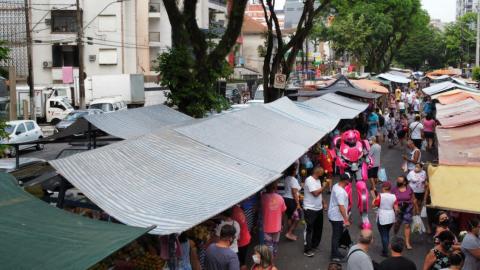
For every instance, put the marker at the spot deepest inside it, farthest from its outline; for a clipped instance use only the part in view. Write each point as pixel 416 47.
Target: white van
pixel 108 105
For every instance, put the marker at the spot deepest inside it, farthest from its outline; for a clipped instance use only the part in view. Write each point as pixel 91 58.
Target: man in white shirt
pixel 338 213
pixel 416 132
pixel 313 211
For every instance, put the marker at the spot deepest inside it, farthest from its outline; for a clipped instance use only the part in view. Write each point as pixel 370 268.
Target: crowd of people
pixel 314 190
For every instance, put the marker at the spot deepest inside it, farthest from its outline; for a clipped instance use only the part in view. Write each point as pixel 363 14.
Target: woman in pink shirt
pixel 273 207
pixel 429 125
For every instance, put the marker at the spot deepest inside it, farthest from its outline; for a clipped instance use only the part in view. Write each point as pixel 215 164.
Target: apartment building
pixel 464 6
pixel 118 36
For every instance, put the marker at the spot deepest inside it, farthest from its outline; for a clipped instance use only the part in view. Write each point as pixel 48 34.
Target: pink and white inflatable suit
pixel 353 156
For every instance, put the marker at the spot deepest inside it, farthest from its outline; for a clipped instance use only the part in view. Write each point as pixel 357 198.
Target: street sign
pixel 280 81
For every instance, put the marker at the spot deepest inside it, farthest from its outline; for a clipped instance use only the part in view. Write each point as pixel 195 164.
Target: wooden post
pixel 12 79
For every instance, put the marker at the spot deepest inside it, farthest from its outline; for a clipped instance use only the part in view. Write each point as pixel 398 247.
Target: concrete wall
pixel 250 52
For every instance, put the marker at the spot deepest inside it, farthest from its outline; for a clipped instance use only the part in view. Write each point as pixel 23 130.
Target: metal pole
pixel 12 78
pixel 30 61
pixel 477 52
pixel 81 73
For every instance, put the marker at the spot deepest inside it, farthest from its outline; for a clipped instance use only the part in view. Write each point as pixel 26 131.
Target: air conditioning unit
pixel 47 64
pixel 92 57
pixel 48 21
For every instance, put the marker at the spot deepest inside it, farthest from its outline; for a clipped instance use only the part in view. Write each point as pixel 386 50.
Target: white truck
pixel 51 104
pixel 129 88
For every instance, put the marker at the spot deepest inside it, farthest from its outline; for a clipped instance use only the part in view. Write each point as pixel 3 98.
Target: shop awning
pixel 447 86
pixel 455 188
pixel 393 78
pixel 35 235
pixel 459 114
pixel 127 123
pixel 177 177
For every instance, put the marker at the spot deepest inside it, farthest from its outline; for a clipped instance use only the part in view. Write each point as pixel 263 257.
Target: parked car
pixel 108 105
pixel 73 116
pixel 23 131
pixel 233 95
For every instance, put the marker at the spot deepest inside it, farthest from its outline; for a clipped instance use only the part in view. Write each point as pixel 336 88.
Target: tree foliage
pixel 280 54
pixel 372 31
pixel 4 51
pixel 460 38
pixel 423 50
pixel 192 67
pixel 476 73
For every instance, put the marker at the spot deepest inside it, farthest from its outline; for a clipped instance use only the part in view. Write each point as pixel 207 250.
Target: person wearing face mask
pixel 262 258
pixel 219 255
pixel 471 245
pixel 405 198
pixel 416 179
pixel 438 257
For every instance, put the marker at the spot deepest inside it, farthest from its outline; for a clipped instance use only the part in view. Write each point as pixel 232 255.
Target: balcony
pixel 154 10
pixel 219 2
pixel 154 39
pixel 218 5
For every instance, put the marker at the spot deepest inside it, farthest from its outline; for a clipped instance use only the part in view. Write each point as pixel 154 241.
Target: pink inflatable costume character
pixel 353 157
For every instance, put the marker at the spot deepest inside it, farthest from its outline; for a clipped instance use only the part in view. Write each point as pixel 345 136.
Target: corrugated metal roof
pixel 394 78
pixel 446 86
pixel 342 107
pixel 163 179
pixel 179 176
pixel 128 123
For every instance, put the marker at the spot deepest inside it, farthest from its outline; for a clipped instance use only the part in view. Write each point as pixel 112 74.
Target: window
pixel 64 21
pixel 107 57
pixel 30 125
pixel 20 129
pixel 64 56
pixel 107 23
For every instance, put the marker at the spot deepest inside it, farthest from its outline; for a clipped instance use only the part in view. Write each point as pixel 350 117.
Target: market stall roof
pixel 36 235
pixel 344 108
pixel 370 86
pixel 393 78
pixel 463 180
pixel 446 86
pixel 177 177
pixel 455 96
pixel 459 146
pixel 458 114
pixel 440 72
pixel 348 91
pixel 127 123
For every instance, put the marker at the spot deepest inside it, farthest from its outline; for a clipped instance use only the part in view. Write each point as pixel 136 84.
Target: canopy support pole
pixel 172 262
pixel 61 193
pixel 17 157
pixel 89 136
pixel 95 139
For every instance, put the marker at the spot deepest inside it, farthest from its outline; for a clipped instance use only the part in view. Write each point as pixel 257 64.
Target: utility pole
pixel 477 52
pixel 30 63
pixel 81 77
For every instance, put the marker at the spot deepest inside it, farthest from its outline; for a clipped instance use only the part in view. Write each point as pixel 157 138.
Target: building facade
pixel 118 36
pixel 464 6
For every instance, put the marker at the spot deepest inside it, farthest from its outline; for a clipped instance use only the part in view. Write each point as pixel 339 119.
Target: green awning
pixel 35 235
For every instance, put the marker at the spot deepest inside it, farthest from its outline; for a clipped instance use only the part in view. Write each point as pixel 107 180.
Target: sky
pixel 440 9
pixel 437 9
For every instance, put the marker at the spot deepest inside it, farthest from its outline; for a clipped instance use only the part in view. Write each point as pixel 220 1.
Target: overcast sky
pixel 438 9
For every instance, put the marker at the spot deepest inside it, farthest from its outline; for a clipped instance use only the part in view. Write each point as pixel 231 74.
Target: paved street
pixel 291 253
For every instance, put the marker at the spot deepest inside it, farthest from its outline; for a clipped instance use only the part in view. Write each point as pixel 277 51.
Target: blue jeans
pixel 385 235
pixel 337 231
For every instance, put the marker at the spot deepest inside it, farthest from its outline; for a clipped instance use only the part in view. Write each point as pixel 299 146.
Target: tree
pixel 373 31
pixel 460 38
pixel 280 53
pixel 192 67
pixel 423 50
pixel 4 51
